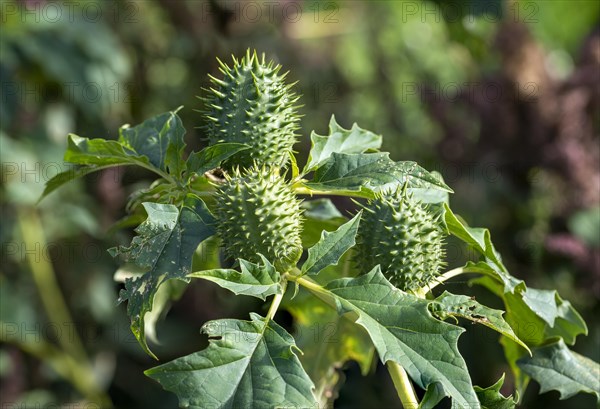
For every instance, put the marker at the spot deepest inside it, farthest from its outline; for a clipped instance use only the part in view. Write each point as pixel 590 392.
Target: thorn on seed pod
pixel 404 237
pixel 258 213
pixel 252 104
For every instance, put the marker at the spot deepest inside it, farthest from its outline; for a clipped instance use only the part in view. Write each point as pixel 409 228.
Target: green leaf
pixel 365 173
pixel 321 209
pixel 403 330
pixel 169 291
pixel 211 157
pixel 64 177
pixel 246 363
pixel 476 237
pixel 255 280
pixel 328 341
pixel 530 311
pixel 160 139
pixel 164 247
pixel 491 398
pixel 102 152
pixel 174 162
pixel 450 305
pixel 535 315
pixel 556 367
pixel 331 247
pixel 433 395
pixel 156 144
pixel 319 215
pixel 513 352
pixel 339 140
pixel 94 155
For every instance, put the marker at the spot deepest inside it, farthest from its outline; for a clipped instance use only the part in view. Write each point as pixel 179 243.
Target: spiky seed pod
pixel 257 212
pixel 252 104
pixel 401 235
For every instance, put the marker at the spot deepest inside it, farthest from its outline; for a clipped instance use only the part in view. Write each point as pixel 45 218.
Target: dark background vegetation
pixel 501 97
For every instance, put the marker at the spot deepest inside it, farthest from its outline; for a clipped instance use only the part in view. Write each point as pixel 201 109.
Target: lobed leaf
pixel 450 305
pixel 556 367
pixel 164 247
pixel 542 310
pixel 331 247
pixel 255 280
pixel 534 315
pixel 365 173
pixel 246 363
pixel 491 398
pixel 160 139
pixel 211 157
pixel 403 330
pixel 339 140
pixel 524 313
pixel 156 144
pixel 319 215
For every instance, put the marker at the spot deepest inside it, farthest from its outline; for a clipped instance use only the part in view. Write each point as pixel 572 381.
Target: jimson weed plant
pixel 375 278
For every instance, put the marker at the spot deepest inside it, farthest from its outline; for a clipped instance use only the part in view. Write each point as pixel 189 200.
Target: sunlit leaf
pixel 364 173
pixel 257 280
pixel 331 247
pixel 403 330
pixel 556 367
pixel 164 247
pixel 450 305
pixel 246 363
pixel 339 140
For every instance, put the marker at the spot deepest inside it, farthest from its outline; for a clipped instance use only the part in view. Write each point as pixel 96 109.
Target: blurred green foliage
pixel 398 68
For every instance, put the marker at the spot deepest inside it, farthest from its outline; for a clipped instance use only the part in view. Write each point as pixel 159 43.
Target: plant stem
pixel 300 189
pixel 451 274
pixel 405 389
pixel 439 280
pixel 315 288
pixel 276 301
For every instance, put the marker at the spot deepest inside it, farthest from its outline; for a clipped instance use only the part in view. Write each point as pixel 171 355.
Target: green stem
pixel 439 280
pixel 276 301
pixel 451 274
pixel 405 389
pixel 202 193
pixel 315 288
pixel 160 173
pixel 300 189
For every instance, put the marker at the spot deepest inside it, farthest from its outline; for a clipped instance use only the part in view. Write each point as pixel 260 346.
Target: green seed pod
pixel 403 237
pixel 257 212
pixel 252 104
